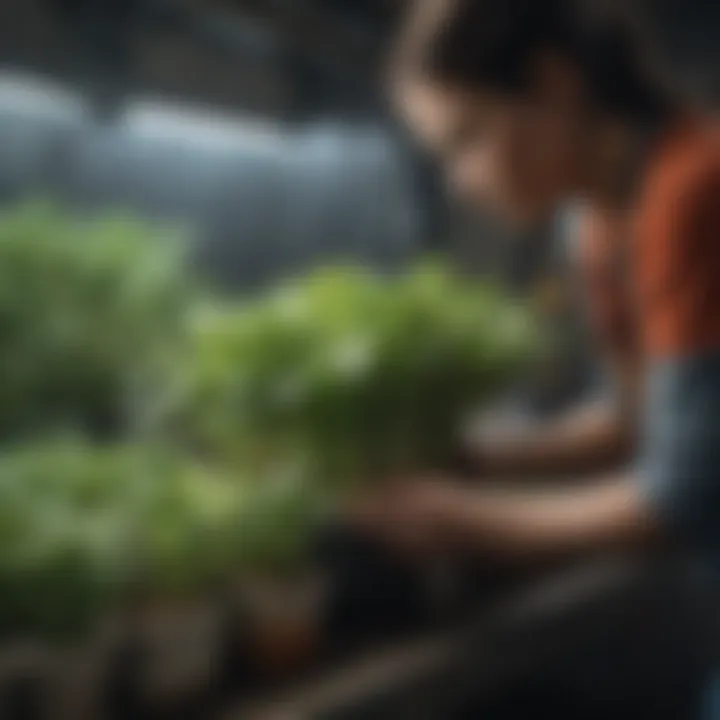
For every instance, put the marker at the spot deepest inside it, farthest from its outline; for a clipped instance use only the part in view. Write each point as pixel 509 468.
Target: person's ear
pixel 555 79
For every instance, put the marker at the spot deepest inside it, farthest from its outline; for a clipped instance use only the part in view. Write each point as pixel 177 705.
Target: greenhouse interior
pixel 265 331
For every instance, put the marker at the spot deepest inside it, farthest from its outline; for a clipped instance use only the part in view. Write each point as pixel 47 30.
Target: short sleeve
pixel 680 460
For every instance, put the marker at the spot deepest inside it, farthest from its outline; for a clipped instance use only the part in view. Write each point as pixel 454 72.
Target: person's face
pixel 519 157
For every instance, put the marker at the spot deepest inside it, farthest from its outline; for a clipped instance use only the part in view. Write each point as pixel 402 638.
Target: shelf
pixel 436 674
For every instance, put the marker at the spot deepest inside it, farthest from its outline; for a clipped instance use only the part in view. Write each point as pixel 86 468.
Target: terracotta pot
pixel 284 619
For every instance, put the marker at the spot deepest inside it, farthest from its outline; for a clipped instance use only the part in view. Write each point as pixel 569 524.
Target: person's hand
pixel 415 517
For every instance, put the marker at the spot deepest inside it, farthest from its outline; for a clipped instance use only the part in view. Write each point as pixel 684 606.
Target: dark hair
pixel 492 43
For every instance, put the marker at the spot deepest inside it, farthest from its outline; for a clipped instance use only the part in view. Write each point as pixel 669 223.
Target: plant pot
pixel 178 647
pixel 85 674
pixel 284 620
pixel 25 673
pixel 54 679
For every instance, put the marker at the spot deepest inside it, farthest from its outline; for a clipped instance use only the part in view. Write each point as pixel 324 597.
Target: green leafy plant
pixel 346 374
pixel 87 308
pixel 85 530
pixel 66 536
pixel 267 408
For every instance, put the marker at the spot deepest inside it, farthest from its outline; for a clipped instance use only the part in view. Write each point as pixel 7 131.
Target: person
pixel 533 106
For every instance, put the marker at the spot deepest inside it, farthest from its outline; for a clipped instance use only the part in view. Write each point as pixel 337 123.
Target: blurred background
pixel 260 126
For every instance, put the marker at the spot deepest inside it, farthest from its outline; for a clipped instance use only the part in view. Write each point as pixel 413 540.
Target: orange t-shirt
pixel 653 279
pixel 676 263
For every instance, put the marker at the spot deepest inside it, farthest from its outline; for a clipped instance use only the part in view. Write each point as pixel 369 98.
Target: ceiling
pixel 288 58
pixel 278 57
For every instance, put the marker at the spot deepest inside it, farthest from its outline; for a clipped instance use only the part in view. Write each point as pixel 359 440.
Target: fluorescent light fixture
pixel 156 119
pixel 34 95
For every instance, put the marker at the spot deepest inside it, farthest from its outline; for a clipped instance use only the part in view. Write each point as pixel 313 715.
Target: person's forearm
pixel 521 525
pixel 587 440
